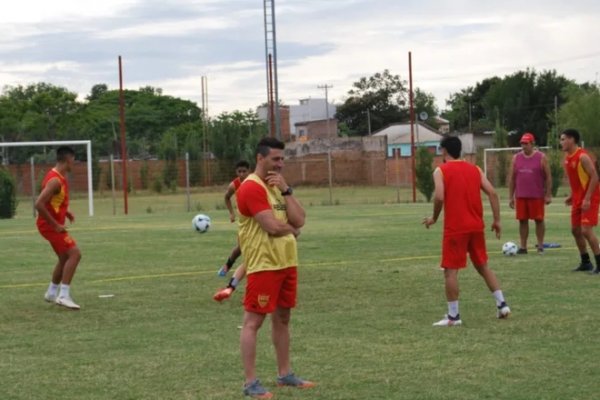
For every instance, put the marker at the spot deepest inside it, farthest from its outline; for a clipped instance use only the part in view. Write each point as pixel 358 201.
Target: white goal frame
pixel 499 149
pixel 87 143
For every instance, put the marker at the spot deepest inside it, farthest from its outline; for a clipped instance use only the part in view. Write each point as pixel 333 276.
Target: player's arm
pixel 274 227
pixel 228 195
pixel 489 190
pixel 295 213
pixel 438 198
pixel 511 183
pixel 52 188
pixel 589 168
pixel 548 178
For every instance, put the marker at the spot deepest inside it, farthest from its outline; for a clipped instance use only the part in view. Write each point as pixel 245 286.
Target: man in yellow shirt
pixel 269 222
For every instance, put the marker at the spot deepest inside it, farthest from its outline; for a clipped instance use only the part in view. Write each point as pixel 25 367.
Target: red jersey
pixel 463 209
pixel 579 179
pixel 58 204
pixel 236 183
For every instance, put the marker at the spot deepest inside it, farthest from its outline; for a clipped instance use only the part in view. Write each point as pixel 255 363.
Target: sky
pixel 171 44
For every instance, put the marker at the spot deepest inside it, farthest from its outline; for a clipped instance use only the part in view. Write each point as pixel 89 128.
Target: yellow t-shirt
pixel 261 251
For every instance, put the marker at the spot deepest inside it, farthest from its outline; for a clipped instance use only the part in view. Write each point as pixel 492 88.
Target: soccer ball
pixel 509 249
pixel 201 223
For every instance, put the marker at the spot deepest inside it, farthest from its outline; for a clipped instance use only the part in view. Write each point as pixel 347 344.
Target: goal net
pixel 28 162
pixel 496 163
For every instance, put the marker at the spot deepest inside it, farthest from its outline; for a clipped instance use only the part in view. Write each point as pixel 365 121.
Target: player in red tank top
pixel 242 169
pixel 584 199
pixel 457 192
pixel 53 209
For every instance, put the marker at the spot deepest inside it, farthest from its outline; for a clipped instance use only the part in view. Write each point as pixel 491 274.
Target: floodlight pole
pixel 123 144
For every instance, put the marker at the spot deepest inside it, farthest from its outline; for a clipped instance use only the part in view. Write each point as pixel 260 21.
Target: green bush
pixel 144 175
pixel 424 172
pixel 556 169
pixel 8 195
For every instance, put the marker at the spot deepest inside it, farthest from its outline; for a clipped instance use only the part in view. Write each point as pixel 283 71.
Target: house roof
pixel 400 133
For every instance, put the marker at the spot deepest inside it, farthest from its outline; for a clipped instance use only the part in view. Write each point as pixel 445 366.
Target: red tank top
pixel 578 178
pixel 529 176
pixel 58 204
pixel 463 209
pixel 236 183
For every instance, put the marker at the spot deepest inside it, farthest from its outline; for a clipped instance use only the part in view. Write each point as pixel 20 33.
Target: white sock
pixel 52 288
pixel 499 297
pixel 64 290
pixel 453 308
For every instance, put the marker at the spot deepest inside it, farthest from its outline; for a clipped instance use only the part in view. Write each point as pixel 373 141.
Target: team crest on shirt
pixel 263 300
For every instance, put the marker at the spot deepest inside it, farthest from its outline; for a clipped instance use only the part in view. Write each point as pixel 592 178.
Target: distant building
pixel 320 129
pixel 443 125
pixel 308 110
pixel 471 142
pixel 399 141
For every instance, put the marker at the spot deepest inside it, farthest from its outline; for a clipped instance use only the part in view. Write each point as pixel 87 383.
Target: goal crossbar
pixel 499 149
pixel 87 143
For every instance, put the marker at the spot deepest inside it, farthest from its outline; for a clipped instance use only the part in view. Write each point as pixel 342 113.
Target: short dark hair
pixel 266 144
pixel 63 152
pixel 572 133
pixel 453 146
pixel 242 164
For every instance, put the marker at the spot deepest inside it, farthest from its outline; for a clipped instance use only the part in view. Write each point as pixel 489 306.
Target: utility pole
pixel 369 121
pixel 326 87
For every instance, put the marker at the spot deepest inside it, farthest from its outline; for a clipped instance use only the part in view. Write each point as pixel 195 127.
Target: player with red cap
pixel 529 190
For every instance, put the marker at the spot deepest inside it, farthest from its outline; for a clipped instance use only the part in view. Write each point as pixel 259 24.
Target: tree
pixel 581 112
pixel 385 97
pixel 8 195
pixel 424 172
pixel 522 102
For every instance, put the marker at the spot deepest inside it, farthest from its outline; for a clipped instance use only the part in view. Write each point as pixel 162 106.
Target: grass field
pixel 369 290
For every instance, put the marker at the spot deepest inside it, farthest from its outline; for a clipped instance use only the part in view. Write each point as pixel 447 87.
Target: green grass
pixel 369 291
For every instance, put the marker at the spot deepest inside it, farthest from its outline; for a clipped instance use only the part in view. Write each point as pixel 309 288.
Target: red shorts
pixel 60 242
pixel 267 290
pixel 456 246
pixel 530 208
pixel 587 218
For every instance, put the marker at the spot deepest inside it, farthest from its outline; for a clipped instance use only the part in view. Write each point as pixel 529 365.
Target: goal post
pixel 87 143
pixel 487 153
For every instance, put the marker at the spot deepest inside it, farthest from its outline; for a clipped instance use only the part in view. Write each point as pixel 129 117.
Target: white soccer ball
pixel 509 249
pixel 201 223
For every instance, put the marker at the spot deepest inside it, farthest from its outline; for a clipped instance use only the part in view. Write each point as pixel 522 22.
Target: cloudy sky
pixel 172 43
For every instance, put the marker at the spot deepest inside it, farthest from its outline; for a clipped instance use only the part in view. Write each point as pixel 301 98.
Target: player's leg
pixel 522 212
pixel 479 258
pixel 591 239
pixel 577 232
pixel 280 331
pixel 235 254
pixel 57 273
pixel 64 296
pixel 260 299
pixel 454 257
pixel 540 231
pixel 250 326
pixel 524 235
pixel 226 292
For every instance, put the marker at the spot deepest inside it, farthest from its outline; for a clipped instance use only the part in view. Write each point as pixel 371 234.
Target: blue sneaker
pixel 255 390
pixel 292 380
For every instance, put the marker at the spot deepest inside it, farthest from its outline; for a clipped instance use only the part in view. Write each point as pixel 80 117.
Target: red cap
pixel 527 138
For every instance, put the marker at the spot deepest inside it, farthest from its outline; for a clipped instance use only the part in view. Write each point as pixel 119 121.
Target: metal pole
pixel 33 187
pixel 187 179
pixel 556 121
pixel 275 75
pixel 330 176
pixel 369 121
pixel 112 184
pixel 123 145
pixel 412 127
pixel 90 183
